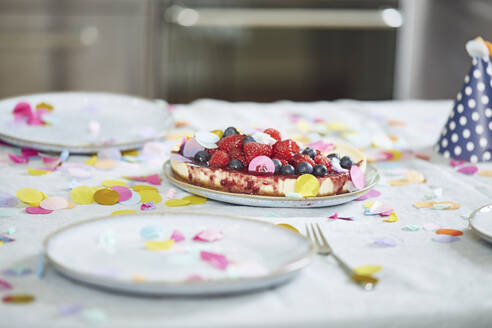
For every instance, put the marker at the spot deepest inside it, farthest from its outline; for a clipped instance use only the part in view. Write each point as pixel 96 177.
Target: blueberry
pixel 236 164
pixel 202 156
pixel 248 139
pixel 278 164
pixel 320 170
pixel 230 131
pixel 287 169
pixel 304 168
pixel 330 156
pixel 310 152
pixel 346 162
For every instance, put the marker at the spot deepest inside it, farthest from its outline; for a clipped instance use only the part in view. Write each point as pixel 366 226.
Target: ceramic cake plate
pixel 123 122
pixel 111 253
pixel 481 222
pixel 372 178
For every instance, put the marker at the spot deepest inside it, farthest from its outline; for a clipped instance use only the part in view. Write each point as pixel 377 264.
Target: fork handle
pixel 366 282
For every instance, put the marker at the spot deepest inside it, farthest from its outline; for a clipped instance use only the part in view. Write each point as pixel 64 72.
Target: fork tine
pixel 323 237
pixel 308 234
pixel 315 236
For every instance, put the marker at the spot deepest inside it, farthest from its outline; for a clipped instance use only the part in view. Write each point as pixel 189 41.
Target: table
pixel 422 283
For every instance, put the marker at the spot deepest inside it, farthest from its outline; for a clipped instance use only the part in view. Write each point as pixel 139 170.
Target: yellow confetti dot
pixel 218 133
pixel 415 176
pixel 133 152
pixel 1 243
pixel 177 202
pixel 150 195
pixel 368 204
pixel 367 270
pixel 106 196
pixel 159 245
pixel 423 204
pixel 398 182
pixel 307 185
pixel 110 183
pixel 396 154
pixel 138 188
pixel 91 161
pixel 37 171
pixel 485 173
pixel 336 126
pixel 288 226
pixel 30 196
pixel 82 195
pixel 106 164
pixel 124 212
pixel 392 218
pixel 44 106
pixel 195 200
pixel 70 204
pixel 138 278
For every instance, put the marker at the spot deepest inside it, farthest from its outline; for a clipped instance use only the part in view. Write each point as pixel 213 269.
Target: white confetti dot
pixel 489 69
pixel 452 125
pixel 474 158
pixel 446 154
pixel 463 120
pixel 457 150
pixel 488 112
pixel 475 116
pixel 459 108
pixel 444 143
pixel 485 100
pixel 477 74
pixel 483 142
pixel 471 103
pixel 480 86
pixel 490 126
pixel 468 91
pixel 454 138
pixel 458 96
pixel 467 79
pixel 479 129
pixel 470 146
pixel 486 156
pixel 466 133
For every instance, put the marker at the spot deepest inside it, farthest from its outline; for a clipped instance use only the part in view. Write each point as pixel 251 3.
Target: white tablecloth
pixel 423 283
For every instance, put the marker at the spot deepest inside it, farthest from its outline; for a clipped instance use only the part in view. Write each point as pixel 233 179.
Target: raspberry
pixel 231 142
pixel 239 155
pixel 320 159
pixel 283 161
pixel 273 133
pixel 253 149
pixel 301 158
pixel 211 151
pixel 219 159
pixel 285 149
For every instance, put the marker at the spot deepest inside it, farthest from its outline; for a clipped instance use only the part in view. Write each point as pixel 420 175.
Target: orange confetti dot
pixel 485 173
pixel 398 183
pixel 451 232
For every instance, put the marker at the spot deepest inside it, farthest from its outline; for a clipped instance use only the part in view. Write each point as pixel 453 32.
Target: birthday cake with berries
pixel 262 163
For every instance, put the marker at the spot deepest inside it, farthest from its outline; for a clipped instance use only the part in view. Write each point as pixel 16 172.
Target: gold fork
pixel 366 282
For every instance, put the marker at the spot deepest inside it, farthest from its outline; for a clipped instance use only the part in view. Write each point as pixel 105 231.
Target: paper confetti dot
pixel 124 192
pixel 30 196
pixel 398 182
pixel 392 217
pixel 159 245
pixel 106 196
pixel 209 235
pixel 485 173
pixel 177 236
pixel 469 169
pixel 18 298
pixel 37 171
pixel 367 270
pixel 414 176
pixel 307 185
pixel 177 202
pixel 410 227
pixel 4 285
pixel 37 210
pixel 152 233
pixel 7 200
pixel 195 200
pixel 423 204
pixel 134 199
pixel 385 242
pixel 261 164
pixel 91 161
pixel 450 232
pixel 54 203
pixel 106 164
pixel 357 176
pixel 82 195
pixel 288 226
pixel 111 183
pixel 124 212
pixel 150 196
pixel 450 205
pixel 445 239
pixel 217 260
pixel 139 188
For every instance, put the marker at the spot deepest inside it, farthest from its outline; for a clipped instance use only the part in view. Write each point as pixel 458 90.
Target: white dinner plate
pixel 125 122
pixel 481 222
pixel 372 178
pixel 110 253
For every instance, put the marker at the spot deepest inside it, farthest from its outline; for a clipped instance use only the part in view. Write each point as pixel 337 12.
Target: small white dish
pixel 110 253
pixel 372 178
pixel 481 222
pixel 123 122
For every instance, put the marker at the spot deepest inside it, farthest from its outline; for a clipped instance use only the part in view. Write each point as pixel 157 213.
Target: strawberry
pixel 253 149
pixel 285 149
pixel 219 159
pixel 297 158
pixel 231 142
pixel 320 159
pixel 273 133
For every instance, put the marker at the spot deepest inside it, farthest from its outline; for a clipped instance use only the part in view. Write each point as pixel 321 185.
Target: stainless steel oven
pixel 269 50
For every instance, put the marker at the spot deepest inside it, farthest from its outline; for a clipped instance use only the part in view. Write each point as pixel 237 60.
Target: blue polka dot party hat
pixel 467 134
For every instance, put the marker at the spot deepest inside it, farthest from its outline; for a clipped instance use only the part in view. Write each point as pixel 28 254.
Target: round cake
pixel 264 164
